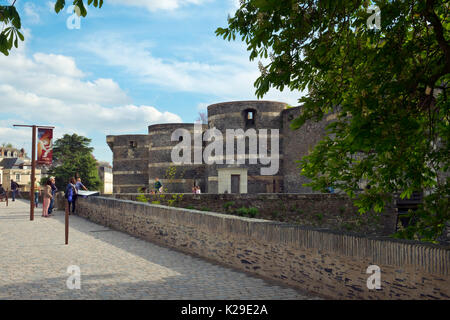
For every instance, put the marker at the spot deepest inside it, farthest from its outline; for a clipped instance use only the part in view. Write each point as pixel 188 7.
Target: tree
pixel 387 87
pixel 73 158
pixel 70 144
pixel 11 24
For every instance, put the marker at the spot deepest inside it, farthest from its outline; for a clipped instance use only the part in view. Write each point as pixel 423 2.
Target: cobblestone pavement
pixel 114 265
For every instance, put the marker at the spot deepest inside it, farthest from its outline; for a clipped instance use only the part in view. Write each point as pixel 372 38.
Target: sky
pixel 130 64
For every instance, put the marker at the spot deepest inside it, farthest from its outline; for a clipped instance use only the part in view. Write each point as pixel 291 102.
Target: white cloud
pixel 230 76
pixel 57 77
pixel 48 89
pixel 156 5
pixel 31 12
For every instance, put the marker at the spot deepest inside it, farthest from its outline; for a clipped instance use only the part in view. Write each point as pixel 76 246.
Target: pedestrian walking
pixel 71 194
pixel 14 189
pixel 54 190
pixel 47 196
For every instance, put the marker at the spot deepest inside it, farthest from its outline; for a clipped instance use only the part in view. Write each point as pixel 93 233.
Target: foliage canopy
pixel 73 158
pixel 388 88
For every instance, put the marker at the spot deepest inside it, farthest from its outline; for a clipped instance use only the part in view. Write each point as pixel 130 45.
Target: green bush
pixel 205 209
pixel 228 205
pixel 142 198
pixel 242 211
pixel 156 202
pixel 253 212
pixel 247 212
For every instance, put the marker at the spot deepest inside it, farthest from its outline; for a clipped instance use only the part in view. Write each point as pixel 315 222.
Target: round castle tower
pixel 250 117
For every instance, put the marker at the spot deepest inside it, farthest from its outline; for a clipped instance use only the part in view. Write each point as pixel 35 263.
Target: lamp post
pixel 33 163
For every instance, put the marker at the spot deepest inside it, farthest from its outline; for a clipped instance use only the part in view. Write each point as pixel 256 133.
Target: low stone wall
pixel 59 199
pixel 331 211
pixel 327 263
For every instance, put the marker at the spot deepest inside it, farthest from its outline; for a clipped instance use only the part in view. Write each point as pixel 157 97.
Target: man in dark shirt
pixel 14 189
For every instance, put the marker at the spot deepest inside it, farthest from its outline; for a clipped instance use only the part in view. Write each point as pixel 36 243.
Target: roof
pixel 11 163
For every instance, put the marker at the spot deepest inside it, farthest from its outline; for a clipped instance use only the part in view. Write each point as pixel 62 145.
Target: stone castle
pixel 139 159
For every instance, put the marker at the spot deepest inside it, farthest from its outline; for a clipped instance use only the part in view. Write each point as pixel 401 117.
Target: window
pixel 133 144
pixel 17 177
pixel 249 118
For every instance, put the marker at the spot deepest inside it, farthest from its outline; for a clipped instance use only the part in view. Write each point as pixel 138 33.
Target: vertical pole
pixel 33 172
pixel 67 220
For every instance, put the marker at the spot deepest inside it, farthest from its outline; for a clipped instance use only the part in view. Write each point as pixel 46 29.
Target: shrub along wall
pixel 329 263
pixel 331 211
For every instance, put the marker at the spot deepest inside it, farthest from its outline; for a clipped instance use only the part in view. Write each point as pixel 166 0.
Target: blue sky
pixel 131 64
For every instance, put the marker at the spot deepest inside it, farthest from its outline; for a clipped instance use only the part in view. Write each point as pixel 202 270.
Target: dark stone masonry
pixel 139 159
pixel 330 211
pixel 331 264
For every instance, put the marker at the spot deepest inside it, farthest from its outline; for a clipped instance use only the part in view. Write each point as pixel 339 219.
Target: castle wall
pixel 296 145
pixel 130 162
pixel 139 159
pixel 232 115
pixel 160 162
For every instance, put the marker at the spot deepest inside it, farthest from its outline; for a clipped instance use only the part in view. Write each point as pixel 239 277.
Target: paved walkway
pixel 114 265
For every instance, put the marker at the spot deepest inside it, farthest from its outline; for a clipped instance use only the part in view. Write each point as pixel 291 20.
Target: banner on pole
pixel 45 146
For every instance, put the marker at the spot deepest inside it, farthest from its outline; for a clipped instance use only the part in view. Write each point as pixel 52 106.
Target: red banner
pixel 45 146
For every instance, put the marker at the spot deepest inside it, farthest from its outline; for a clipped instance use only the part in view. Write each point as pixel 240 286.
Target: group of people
pixel 48 196
pixel 48 192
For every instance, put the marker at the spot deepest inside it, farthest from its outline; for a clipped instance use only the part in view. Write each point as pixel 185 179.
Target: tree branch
pixel 431 17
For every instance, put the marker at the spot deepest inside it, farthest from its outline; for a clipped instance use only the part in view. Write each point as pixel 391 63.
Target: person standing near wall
pixel 71 193
pixel 14 189
pixel 47 196
pixel 80 185
pixel 54 190
pixel 158 186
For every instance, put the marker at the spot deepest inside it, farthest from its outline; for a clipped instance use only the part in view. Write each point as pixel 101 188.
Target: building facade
pixel 139 159
pixel 15 165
